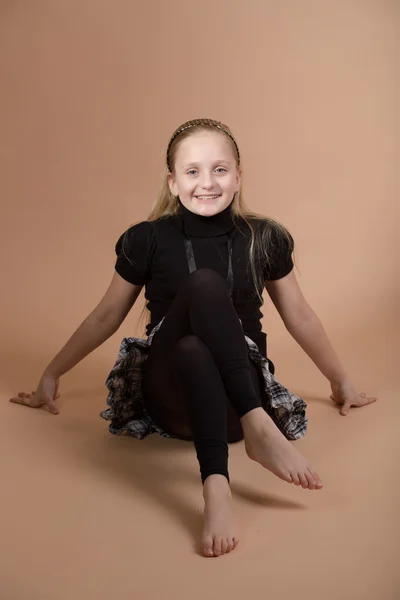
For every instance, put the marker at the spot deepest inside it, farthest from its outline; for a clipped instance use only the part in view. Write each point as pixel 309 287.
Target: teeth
pixel 207 197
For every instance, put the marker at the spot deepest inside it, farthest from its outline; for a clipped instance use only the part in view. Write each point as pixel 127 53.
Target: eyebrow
pixel 216 162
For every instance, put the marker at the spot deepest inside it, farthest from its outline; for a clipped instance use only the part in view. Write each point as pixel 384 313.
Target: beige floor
pixel 88 515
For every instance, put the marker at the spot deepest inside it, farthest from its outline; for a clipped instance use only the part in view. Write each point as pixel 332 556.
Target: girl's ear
pixel 172 184
pixel 238 178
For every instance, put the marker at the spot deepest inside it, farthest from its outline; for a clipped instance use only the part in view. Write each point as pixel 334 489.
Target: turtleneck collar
pixel 199 226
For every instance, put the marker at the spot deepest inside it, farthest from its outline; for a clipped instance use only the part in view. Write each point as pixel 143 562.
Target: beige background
pixel 90 93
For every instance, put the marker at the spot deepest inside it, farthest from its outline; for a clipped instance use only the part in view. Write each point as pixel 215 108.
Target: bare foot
pixel 269 447
pixel 219 535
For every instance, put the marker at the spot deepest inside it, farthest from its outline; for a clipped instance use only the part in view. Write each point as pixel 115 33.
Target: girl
pixel 203 373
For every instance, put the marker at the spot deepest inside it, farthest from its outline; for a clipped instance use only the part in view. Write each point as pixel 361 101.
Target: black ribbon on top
pixel 192 261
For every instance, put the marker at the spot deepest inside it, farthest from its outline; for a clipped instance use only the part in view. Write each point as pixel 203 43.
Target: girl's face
pixel 205 175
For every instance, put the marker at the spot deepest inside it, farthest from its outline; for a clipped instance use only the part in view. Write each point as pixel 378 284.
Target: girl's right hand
pixel 45 395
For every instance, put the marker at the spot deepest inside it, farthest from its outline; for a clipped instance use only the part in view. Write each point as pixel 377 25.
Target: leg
pixel 203 311
pixel 194 376
pixel 204 308
pixel 206 403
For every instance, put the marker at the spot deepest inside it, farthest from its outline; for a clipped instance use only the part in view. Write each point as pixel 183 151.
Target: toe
pixel 224 546
pixel 310 478
pixel 318 482
pixel 208 546
pixel 217 547
pixel 304 480
pixel 295 478
pixel 235 542
pixel 229 544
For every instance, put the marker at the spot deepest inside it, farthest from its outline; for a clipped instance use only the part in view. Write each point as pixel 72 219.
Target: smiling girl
pixel 203 374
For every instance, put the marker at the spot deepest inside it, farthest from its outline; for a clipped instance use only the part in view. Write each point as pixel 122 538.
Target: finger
pixel 345 409
pixel 20 400
pixel 15 399
pixel 52 407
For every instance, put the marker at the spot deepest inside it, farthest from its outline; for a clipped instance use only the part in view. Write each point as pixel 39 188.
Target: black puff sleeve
pixel 280 253
pixel 134 251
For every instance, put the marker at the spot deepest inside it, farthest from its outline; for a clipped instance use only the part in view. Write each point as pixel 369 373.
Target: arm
pixel 306 328
pixel 101 324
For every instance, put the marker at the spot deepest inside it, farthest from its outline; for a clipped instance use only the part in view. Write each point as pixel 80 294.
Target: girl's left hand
pixel 346 396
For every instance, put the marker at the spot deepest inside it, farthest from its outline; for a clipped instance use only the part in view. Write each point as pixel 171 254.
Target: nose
pixel 207 182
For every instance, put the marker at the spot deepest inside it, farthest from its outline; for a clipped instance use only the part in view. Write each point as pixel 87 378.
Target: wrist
pixel 339 381
pixel 50 373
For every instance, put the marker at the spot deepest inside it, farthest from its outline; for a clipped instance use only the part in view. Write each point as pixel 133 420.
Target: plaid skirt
pixel 126 407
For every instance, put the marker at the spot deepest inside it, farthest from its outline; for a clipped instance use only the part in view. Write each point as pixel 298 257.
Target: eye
pixel 194 170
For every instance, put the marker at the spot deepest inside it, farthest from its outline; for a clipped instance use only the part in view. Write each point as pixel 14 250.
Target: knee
pixel 205 281
pixel 189 350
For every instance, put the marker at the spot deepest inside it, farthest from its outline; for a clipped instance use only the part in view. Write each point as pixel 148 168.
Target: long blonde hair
pixel 266 233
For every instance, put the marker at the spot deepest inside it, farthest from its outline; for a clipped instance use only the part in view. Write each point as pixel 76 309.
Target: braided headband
pixel 196 122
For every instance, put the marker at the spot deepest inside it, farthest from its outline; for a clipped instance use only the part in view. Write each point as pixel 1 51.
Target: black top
pixel 152 254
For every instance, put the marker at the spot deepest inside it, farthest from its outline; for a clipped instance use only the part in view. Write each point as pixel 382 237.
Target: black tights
pixel 199 380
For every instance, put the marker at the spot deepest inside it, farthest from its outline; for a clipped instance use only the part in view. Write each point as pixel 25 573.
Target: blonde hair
pixel 266 233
